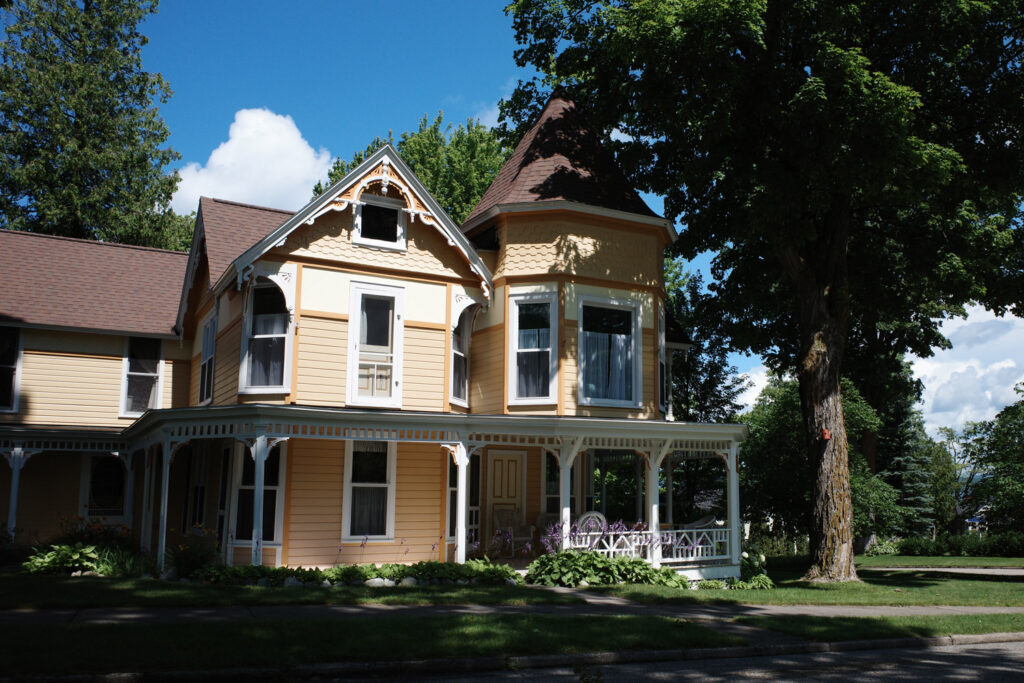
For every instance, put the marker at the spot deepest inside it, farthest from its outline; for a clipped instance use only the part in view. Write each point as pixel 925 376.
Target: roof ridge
pixel 247 205
pixel 82 240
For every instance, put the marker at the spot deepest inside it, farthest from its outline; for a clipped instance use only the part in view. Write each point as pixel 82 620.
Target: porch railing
pixel 678 546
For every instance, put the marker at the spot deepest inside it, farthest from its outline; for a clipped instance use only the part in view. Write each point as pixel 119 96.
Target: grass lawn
pixel 875 588
pixel 937 561
pixel 160 647
pixel 830 629
pixel 28 590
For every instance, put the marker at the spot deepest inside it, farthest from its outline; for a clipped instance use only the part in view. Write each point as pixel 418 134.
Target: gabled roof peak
pixel 560 160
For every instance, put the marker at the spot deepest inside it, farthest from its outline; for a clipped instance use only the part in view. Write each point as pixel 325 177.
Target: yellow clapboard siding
pixel 322 361
pixel 225 364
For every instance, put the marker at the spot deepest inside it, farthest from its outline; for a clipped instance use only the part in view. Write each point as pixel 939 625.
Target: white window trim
pixel 231 542
pixel 282 275
pixel 16 388
pixel 123 407
pixel 85 483
pixel 385 202
pixel 346 528
pixel 513 339
pixel 356 292
pixel 452 398
pixel 211 321
pixel 624 304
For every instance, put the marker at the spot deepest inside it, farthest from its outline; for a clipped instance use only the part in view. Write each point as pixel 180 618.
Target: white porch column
pixel 566 456
pixel 259 450
pixel 669 415
pixel 669 488
pixel 461 456
pixel 129 487
pixel 654 460
pixel 639 497
pixel 166 454
pixel 145 535
pixel 16 458
pixel 734 502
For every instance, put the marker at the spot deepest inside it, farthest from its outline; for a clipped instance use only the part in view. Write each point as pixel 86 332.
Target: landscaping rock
pixel 389 583
pixel 170 574
pixel 375 582
pixel 291 582
pixel 90 573
pixel 78 573
pixel 462 582
pixel 263 582
pixel 511 582
pixel 408 581
pixel 326 584
pixel 583 584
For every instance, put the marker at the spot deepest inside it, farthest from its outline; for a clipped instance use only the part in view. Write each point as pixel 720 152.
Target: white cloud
pixel 975 379
pixel 488 115
pixel 758 378
pixel 264 161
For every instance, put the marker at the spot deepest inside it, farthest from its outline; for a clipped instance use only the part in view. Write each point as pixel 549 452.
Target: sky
pixel 267 94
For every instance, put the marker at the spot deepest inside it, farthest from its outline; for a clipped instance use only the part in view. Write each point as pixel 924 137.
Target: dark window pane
pixel 8 345
pixel 534 316
pixel 376 322
pixel 141 392
pixel 459 377
pixel 369 463
pixel 268 300
pixel 474 480
pixel 106 487
pixel 379 223
pixel 6 388
pixel 453 503
pixel 269 515
pixel 272 469
pixel 607 320
pixel 266 362
pixel 248 471
pixel 534 373
pixel 143 355
pixel 453 473
pixel 369 511
pixel 243 523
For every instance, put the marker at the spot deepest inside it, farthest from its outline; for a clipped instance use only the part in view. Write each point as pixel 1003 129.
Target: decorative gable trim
pixel 386 168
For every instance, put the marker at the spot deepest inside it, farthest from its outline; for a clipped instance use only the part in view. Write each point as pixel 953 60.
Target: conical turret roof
pixel 560 159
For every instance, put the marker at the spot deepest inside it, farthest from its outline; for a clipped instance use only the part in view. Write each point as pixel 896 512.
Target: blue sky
pixel 267 94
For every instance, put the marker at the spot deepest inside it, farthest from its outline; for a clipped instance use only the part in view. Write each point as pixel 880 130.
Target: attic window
pixel 380 222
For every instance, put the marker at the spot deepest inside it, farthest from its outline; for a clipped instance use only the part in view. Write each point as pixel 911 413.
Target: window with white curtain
pixel 609 353
pixel 375 345
pixel 141 382
pixel 460 358
pixel 268 333
pixel 369 490
pixel 206 359
pixel 533 372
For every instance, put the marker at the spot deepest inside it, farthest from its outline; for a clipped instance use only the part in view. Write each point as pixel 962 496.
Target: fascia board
pixel 89 330
pixel 566 205
pixel 198 236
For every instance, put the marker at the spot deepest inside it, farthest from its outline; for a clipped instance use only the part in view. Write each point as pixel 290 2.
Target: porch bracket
pixel 16 456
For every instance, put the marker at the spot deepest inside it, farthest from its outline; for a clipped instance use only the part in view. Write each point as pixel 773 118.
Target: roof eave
pixel 566 205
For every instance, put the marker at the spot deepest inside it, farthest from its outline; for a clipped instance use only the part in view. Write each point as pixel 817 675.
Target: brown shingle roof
pixel 64 282
pixel 231 228
pixel 560 159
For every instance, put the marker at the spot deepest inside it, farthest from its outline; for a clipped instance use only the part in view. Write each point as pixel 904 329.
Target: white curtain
pixel 608 373
pixel 266 349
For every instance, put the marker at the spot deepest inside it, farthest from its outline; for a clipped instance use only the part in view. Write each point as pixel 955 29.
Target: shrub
pixel 710 584
pixel 118 562
pixel 752 564
pixel 197 550
pixel 481 571
pixel 1008 544
pixel 94 532
pixel 573 567
pixel 62 559
pixel 890 546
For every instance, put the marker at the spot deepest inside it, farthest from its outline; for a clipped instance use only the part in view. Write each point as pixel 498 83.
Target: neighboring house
pixel 360 381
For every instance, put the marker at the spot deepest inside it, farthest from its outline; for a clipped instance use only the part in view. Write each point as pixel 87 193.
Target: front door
pixel 506 476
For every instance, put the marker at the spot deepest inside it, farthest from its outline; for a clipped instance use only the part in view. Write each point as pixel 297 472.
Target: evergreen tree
pixel 80 137
pixel 455 164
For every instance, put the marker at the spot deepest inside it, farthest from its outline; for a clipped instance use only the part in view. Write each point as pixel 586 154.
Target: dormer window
pixel 380 222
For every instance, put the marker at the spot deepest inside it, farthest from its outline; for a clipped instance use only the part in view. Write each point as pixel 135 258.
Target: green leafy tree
pixel 837 157
pixel 959 472
pixel 456 164
pixel 1002 487
pixel 81 139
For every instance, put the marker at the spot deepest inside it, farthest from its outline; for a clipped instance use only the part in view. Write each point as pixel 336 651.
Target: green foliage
pixel 573 567
pixel 455 164
pixel 75 529
pixel 776 477
pixel 1007 544
pixel 62 559
pixel 876 509
pixel 82 151
pixel 756 582
pixel 711 585
pixel 197 549
pixel 888 546
pixel 124 563
pixel 752 564
pixel 1003 459
pixel 481 571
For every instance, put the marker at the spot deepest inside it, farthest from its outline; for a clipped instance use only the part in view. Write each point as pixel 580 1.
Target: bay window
pixel 369 490
pixel 142 371
pixel 268 332
pixel 533 333
pixel 375 345
pixel 609 358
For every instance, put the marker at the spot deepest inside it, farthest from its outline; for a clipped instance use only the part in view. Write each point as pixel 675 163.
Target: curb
pixel 511 663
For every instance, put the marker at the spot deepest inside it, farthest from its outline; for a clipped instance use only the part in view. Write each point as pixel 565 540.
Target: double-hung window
pixel 104 486
pixel 206 359
pixel 609 357
pixel 533 333
pixel 460 358
pixel 268 335
pixel 375 345
pixel 380 222
pixel 10 366
pixel 143 369
pixel 369 490
pixel 272 470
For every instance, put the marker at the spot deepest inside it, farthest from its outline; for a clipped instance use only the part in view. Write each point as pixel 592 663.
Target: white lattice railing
pixel 678 546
